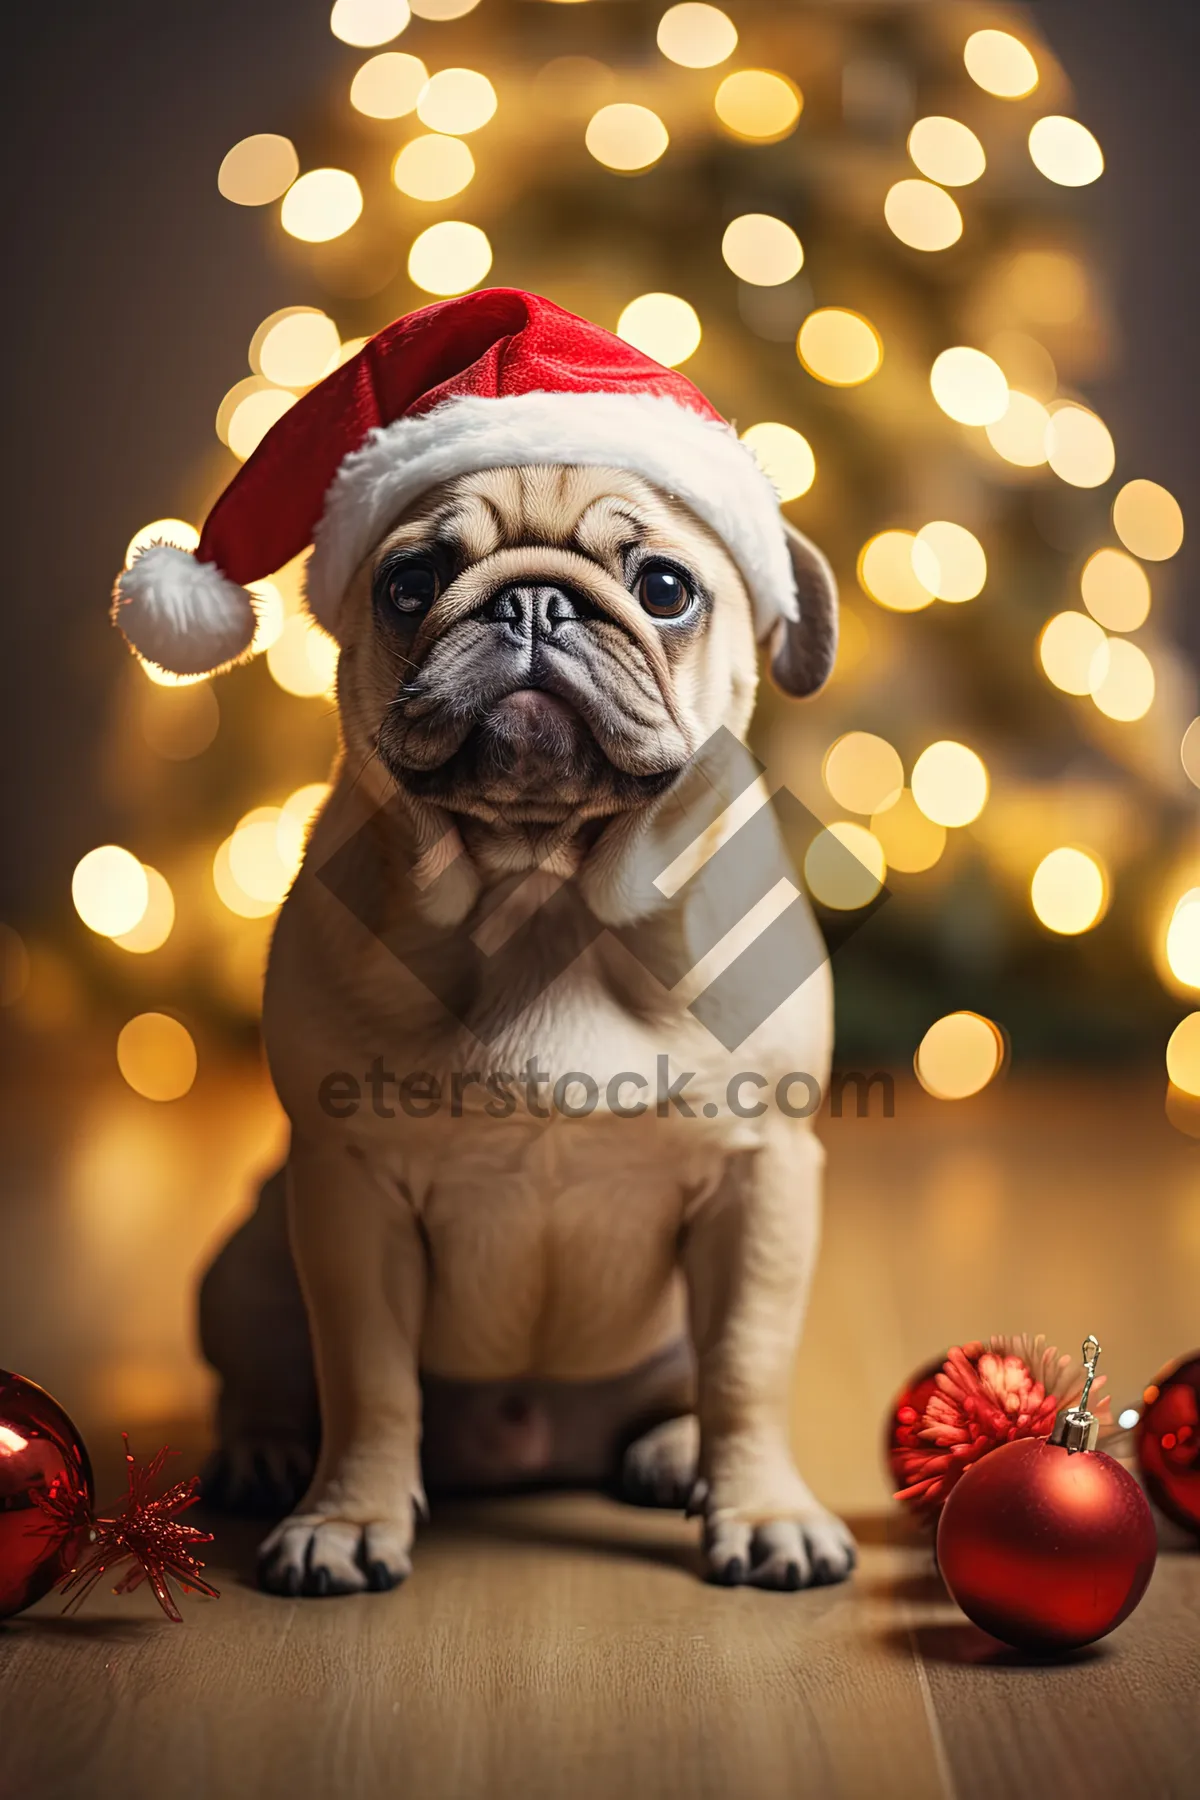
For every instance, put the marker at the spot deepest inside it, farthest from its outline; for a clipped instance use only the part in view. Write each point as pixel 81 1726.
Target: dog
pixel 500 1289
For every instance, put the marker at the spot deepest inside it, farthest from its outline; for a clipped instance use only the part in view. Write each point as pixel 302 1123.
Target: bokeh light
pixel 969 386
pixel 1079 447
pixel 259 380
pixel 839 347
pixel 1183 1055
pixel 758 104
pixel 295 820
pixel 1065 151
pixel 433 167
pixel 1073 650
pixel 303 659
pixel 162 531
pixel 863 772
pixel 442 10
pixel 911 842
pixel 999 63
pixel 922 215
pixel 785 457
pixel 321 205
pixel 231 894
pixel 959 1055
pixel 626 137
pixel 950 783
pixel 662 326
pixel 1148 520
pixel 253 417
pixel 295 347
pixel 1069 891
pixel 1123 688
pixel 156 923
pixel 157 1057
pixel 449 258
pixel 258 170
pixel 457 101
pixel 845 866
pixel 762 250
pixel 887 574
pixel 1183 940
pixel 949 560
pixel 249 384
pixel 1189 752
pixel 1116 590
pixel 1019 434
pixel 388 86
pixel 946 151
pixel 696 37
pixel 364 23
pixel 110 889
pixel 269 615
pixel 256 865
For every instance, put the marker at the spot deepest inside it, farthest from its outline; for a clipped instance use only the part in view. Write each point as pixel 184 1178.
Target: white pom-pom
pixel 182 614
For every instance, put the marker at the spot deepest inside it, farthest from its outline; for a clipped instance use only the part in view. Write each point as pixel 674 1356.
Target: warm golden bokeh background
pixel 875 234
pixel 860 227
pixel 934 258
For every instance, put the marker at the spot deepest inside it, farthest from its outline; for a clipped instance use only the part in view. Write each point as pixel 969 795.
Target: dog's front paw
pixel 315 1554
pixel 813 1551
pixel 764 1528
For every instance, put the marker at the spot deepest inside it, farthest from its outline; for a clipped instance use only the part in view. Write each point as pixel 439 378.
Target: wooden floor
pixel 563 1645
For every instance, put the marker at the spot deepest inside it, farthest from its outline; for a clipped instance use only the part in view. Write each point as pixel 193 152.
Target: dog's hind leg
pixel 254 1332
pixel 660 1467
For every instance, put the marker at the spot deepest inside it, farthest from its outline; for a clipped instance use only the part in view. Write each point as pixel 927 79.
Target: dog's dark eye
pixel 410 587
pixel 663 593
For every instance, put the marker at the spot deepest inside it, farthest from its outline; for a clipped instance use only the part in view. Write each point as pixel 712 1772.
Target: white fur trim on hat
pixel 699 460
pixel 182 614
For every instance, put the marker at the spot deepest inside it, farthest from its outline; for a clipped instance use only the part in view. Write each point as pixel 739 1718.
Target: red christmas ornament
pixel 902 1437
pixel 1047 1543
pixel 1168 1441
pixel 50 1535
pixel 41 1455
pixel 952 1413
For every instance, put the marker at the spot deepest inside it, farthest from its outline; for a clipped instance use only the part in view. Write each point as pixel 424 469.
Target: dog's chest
pixel 552 1245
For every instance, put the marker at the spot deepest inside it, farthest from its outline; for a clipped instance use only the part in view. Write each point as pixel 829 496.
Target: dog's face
pixel 544 643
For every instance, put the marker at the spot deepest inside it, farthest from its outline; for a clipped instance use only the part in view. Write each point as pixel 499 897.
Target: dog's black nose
pixel 536 608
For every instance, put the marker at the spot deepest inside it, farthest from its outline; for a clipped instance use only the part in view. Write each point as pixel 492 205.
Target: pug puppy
pixel 519 1260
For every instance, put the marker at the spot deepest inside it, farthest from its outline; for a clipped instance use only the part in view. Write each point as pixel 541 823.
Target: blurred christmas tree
pixel 855 224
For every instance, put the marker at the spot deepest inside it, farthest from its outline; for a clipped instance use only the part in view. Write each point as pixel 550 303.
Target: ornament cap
pixel 1075 1427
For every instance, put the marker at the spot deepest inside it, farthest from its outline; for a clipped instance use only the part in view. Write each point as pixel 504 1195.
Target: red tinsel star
pixel 142 1529
pixel 984 1398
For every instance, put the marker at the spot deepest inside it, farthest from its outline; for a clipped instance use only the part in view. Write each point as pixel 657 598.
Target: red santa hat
pixel 495 378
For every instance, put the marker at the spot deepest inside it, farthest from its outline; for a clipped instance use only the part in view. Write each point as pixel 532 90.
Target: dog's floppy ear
pixel 803 649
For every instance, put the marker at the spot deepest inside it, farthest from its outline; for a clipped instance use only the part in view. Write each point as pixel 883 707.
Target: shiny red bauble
pixel 41 1453
pixel 1046 1548
pixel 1168 1441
